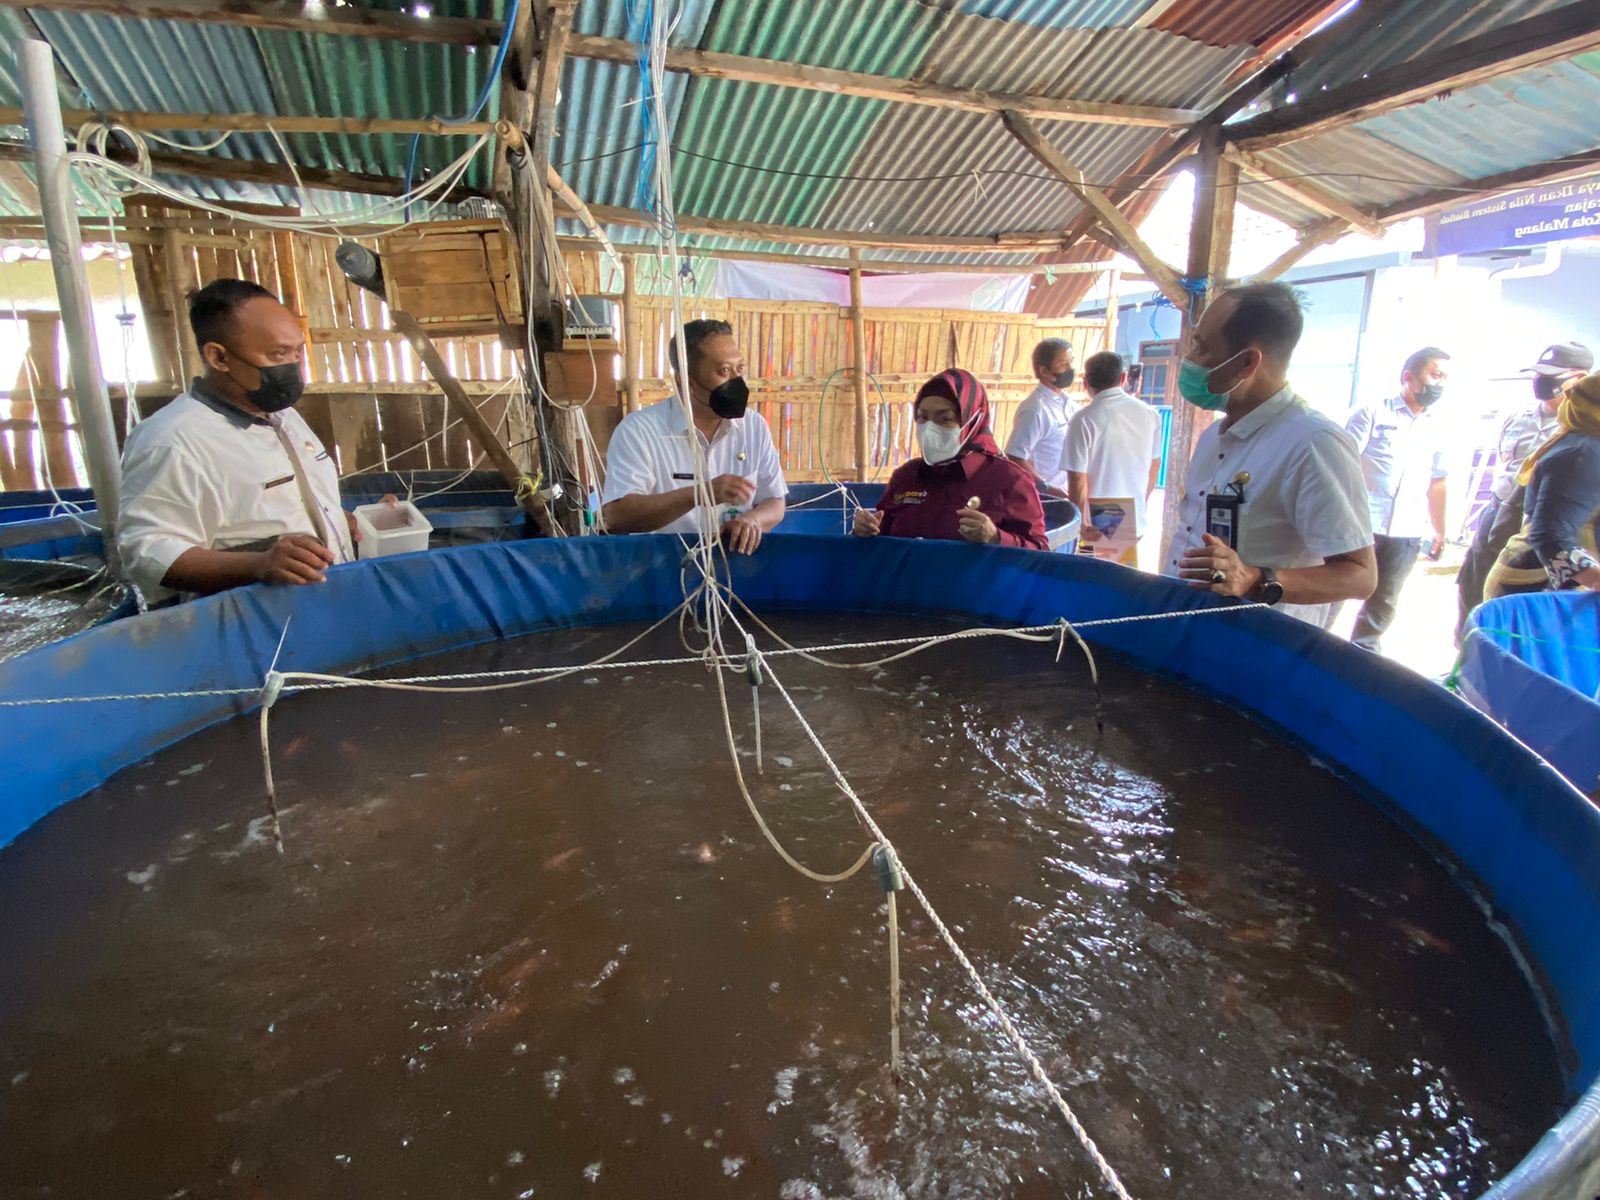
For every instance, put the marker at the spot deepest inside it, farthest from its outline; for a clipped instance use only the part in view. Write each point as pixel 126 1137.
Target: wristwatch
pixel 1269 590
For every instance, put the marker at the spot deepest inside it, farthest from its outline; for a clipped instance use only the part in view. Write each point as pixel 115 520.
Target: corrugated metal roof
pixel 1364 170
pixel 1012 191
pixel 1529 117
pixel 1061 14
pixel 1128 66
pixel 810 133
pixel 1408 29
pixel 1234 22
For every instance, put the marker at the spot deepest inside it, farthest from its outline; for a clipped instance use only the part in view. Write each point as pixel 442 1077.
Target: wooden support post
pixel 1109 216
pixel 1318 235
pixel 1113 286
pixel 1210 239
pixel 477 425
pixel 632 360
pixel 858 337
pixel 1311 194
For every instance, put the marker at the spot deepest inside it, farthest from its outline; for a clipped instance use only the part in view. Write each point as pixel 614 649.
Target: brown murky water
pixel 530 944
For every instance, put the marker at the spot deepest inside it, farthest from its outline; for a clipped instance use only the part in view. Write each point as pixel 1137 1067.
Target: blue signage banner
pixel 1553 212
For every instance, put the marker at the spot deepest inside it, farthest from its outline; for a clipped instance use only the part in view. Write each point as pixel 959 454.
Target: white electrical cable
pixel 111 179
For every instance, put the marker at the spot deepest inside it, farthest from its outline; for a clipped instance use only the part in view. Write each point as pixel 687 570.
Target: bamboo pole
pixel 632 362
pixel 858 336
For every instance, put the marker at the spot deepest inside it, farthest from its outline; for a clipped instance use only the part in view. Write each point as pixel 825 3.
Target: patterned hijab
pixel 972 406
pixel 1579 412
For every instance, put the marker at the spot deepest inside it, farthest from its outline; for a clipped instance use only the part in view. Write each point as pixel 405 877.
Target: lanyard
pixel 308 498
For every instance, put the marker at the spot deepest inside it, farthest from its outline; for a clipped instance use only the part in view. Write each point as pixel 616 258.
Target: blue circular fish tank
pixel 1527 841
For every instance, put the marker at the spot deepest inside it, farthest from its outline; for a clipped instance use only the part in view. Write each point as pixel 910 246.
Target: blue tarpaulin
pixel 1526 839
pixel 1533 664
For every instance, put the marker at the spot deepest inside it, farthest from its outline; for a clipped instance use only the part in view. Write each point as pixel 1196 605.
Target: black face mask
pixel 1430 394
pixel 280 387
pixel 1064 380
pixel 1547 387
pixel 731 399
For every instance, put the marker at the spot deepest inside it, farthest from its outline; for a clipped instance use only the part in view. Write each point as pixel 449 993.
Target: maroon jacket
pixel 926 502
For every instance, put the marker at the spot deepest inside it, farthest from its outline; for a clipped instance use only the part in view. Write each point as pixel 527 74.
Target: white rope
pixel 1020 1043
pixel 317 682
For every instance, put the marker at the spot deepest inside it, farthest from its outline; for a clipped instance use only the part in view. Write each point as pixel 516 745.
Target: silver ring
pixel 1219 577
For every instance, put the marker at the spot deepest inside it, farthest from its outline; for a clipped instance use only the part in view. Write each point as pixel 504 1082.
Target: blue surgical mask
pixel 1194 384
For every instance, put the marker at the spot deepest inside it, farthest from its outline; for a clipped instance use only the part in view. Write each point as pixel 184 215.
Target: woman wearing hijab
pixel 962 488
pixel 1556 549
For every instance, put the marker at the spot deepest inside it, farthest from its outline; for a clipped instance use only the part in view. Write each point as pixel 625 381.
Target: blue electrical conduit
pixel 1522 836
pixel 489 80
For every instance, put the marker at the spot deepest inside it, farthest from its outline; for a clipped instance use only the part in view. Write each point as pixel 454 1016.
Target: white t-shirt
pixel 1113 440
pixel 1038 431
pixel 650 454
pixel 1305 500
pixel 1402 453
pixel 202 473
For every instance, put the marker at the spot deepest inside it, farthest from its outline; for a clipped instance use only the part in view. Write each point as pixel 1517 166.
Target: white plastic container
pixel 391 529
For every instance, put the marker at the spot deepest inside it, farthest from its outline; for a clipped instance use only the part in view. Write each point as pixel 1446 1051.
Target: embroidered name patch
pixel 910 497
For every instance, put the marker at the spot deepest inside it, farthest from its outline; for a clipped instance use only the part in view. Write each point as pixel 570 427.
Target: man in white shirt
pixel 1278 484
pixel 1402 462
pixel 1041 425
pixel 227 485
pixel 650 464
pixel 1113 445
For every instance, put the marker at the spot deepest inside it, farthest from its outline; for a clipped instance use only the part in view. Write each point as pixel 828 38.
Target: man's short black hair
pixel 211 308
pixel 1267 316
pixel 1103 370
pixel 1422 358
pixel 694 333
pixel 1045 352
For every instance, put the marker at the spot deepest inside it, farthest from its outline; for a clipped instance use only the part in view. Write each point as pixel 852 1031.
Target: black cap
pixel 1563 359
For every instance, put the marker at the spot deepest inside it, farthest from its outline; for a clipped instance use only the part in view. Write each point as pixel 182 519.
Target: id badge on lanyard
pixel 1222 510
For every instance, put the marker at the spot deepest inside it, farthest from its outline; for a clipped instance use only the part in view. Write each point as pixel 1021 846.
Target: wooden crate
pixel 457 278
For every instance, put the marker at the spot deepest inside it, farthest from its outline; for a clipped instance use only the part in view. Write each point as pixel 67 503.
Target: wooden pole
pixel 858 337
pixel 1113 284
pixel 477 424
pixel 632 360
pixel 248 122
pixel 1210 239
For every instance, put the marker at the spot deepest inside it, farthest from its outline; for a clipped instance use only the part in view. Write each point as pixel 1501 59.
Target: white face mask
pixel 939 443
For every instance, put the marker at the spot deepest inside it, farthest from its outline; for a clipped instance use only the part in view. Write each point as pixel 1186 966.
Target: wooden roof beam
pixel 1000 243
pixel 257 122
pixel 294 16
pixel 1549 37
pixel 1310 239
pixel 1307 192
pixel 1161 159
pixel 712 65
pixel 1553 171
pixel 272 174
pixel 1106 213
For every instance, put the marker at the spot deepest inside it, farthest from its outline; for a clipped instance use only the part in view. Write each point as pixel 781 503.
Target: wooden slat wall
pixel 796 352
pixel 371 399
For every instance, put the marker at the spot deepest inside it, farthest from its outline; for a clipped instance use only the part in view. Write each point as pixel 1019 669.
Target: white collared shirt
pixel 1113 440
pixel 650 454
pixel 201 473
pixel 1039 431
pixel 1304 503
pixel 1401 455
